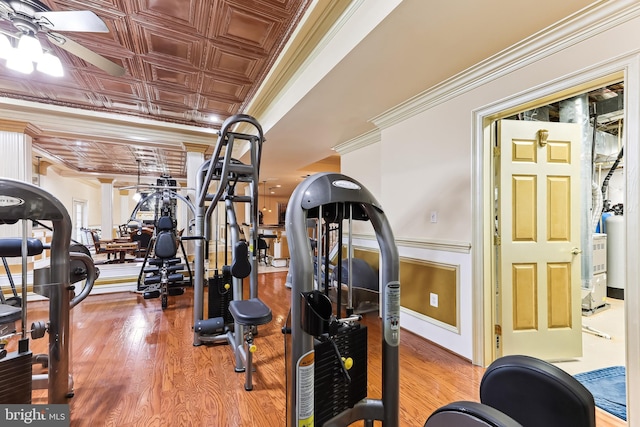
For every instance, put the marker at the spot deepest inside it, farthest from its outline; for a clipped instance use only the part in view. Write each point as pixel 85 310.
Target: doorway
pixel 484 263
pixel 79 221
pixel 552 200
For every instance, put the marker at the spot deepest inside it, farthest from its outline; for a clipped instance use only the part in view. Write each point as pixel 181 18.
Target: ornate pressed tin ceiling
pixel 187 62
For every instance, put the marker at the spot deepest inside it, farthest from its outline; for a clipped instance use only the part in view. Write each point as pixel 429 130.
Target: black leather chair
pixel 263 246
pixel 144 238
pixel 469 414
pixel 536 393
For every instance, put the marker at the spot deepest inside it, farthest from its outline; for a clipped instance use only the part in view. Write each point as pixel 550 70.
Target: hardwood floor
pixel 134 365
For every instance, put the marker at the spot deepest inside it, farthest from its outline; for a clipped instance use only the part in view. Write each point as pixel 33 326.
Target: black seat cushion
pixel 536 393
pixel 250 312
pixel 9 314
pixel 165 223
pixel 165 245
pixel 469 414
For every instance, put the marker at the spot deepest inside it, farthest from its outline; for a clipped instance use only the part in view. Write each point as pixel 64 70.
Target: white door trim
pixel 482 194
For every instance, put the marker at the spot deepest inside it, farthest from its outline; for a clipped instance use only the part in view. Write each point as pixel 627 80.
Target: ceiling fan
pixel 31 17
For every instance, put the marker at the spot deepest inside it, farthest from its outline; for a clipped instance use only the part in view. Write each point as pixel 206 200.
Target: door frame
pixel 85 216
pixel 625 69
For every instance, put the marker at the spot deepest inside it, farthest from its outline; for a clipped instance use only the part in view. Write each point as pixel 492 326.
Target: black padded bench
pixel 536 393
pixel 9 314
pixel 12 247
pixel 250 312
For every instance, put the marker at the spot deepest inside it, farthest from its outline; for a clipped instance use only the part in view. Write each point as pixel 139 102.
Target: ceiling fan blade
pixel 83 20
pixel 86 54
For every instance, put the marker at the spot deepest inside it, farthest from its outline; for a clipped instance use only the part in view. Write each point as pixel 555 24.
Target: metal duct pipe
pixel 576 110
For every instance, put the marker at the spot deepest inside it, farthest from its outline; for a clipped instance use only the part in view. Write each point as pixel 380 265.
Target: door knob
pixel 576 251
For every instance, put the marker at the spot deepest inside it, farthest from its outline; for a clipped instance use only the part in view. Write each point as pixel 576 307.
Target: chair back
pixel 536 393
pixel 96 242
pixel 262 244
pixel 143 237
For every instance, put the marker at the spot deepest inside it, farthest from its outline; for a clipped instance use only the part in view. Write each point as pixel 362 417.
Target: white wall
pixel 68 189
pixel 428 159
pixel 364 165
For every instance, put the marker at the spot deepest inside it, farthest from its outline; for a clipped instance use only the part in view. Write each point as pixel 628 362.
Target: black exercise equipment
pixel 536 393
pixel 469 414
pixel 327 367
pixel 232 319
pixel 163 277
pixel 159 274
pixel 25 202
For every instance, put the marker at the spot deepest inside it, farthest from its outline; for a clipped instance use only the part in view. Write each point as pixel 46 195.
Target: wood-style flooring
pixel 134 365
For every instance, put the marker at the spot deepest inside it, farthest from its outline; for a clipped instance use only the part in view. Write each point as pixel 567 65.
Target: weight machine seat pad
pixel 469 414
pixel 165 246
pixel 250 312
pixel 12 247
pixel 536 393
pixel 9 314
pixel 240 266
pixel 165 223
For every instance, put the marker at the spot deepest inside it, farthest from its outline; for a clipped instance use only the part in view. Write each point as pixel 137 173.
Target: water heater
pixel 616 253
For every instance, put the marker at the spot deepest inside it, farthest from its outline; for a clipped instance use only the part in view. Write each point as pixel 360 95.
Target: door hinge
pixel 497 241
pixel 496 151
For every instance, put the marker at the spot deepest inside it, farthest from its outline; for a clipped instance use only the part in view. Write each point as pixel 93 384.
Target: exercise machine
pixel 160 274
pixel 360 278
pixel 163 276
pixel 23 202
pixel 536 393
pixel 232 319
pixel 327 367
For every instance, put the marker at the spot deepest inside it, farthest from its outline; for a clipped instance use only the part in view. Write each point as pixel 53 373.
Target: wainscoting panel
pixel 431 289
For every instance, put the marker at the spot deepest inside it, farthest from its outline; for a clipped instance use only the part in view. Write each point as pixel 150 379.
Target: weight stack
pixel 332 392
pixel 219 299
pixel 15 378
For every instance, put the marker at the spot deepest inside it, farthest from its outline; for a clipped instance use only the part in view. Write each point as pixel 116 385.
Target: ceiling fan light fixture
pixel 51 65
pixel 30 47
pixel 5 47
pixel 18 62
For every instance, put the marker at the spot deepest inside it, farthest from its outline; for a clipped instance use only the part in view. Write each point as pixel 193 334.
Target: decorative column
pixel 106 207
pixel 15 161
pixel 125 209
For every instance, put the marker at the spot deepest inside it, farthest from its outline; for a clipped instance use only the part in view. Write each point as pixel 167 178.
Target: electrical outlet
pixel 433 300
pixel 434 216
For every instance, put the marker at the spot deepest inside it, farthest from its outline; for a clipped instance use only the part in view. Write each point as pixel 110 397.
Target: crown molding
pixel 576 28
pixel 320 25
pixel 19 126
pixel 361 141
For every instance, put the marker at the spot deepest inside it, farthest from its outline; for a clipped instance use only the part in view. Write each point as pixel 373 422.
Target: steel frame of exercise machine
pixel 249 313
pixel 335 198
pixel 21 201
